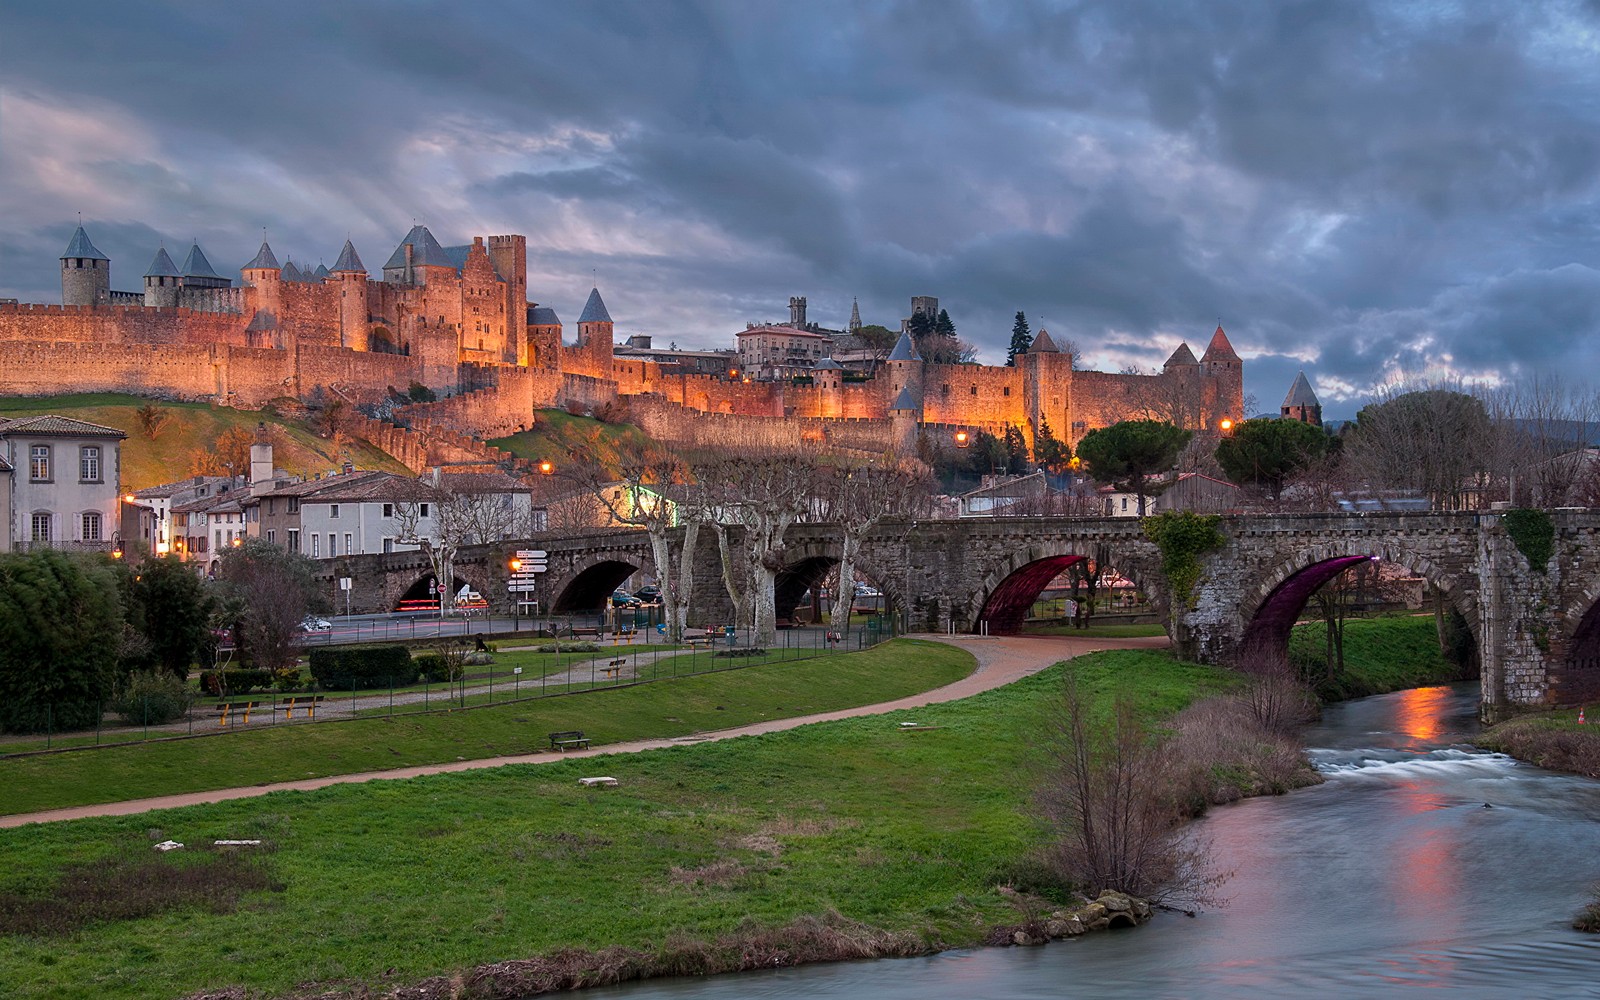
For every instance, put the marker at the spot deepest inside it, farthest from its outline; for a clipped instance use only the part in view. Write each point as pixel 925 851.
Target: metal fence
pixel 621 661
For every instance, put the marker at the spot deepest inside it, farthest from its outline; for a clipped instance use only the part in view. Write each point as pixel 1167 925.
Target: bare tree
pixel 859 496
pixel 1176 397
pixel 270 589
pixel 763 494
pixel 1435 439
pixel 1543 426
pixel 442 512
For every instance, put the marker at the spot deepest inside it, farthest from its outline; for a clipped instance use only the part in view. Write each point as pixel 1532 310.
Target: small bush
pixel 151 698
pixel 357 668
pixel 436 669
pixel 1588 918
pixel 477 659
pixel 289 679
pixel 224 683
pixel 571 647
pixel 741 651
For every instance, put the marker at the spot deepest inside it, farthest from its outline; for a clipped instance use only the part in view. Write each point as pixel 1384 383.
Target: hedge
pixel 357 668
pixel 233 681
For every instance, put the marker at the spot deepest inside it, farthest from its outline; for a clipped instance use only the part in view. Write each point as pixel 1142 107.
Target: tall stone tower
pixel 1047 387
pixel 905 372
pixel 904 413
pixel 1301 404
pixel 161 281
pixel 264 275
pixel 1224 366
pixel 509 255
pixel 351 277
pixel 797 311
pixel 85 273
pixel 855 316
pixel 595 335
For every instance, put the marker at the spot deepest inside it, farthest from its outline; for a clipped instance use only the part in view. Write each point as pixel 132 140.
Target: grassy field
pixel 193 427
pixel 1391 653
pixel 665 709
pixel 558 435
pixel 392 882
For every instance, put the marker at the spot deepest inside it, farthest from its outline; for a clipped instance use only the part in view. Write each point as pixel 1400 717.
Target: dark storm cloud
pixel 1371 187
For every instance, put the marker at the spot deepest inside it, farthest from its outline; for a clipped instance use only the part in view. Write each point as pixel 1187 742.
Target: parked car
pixel 311 623
pixel 623 599
pixel 650 594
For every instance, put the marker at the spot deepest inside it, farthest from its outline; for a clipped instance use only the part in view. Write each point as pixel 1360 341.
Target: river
pixel 1390 878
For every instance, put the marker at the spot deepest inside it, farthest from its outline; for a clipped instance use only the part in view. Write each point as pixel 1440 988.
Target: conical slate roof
pixel 1219 349
pixel 290 272
pixel 904 349
pixel 80 246
pixel 425 252
pixel 1042 344
pixel 349 260
pixel 321 271
pixel 162 266
pixel 543 316
pixel 196 266
pixel 1300 393
pixel 827 365
pixel 264 258
pixel 1182 356
pixel 904 401
pixel 594 310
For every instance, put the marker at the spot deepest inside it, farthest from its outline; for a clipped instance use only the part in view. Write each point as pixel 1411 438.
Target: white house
pixel 63 487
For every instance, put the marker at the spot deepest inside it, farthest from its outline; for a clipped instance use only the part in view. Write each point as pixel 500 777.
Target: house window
pixel 294 505
pixel 333 545
pixel 218 536
pixel 333 510
pixel 41 526
pixel 316 546
pixel 422 510
pixel 294 539
pixel 272 536
pixel 89 464
pixel 347 548
pixel 91 526
pixel 388 510
pixel 39 463
pixel 388 544
pixel 272 506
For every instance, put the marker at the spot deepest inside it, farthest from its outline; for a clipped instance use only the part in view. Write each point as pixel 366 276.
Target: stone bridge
pixel 1537 629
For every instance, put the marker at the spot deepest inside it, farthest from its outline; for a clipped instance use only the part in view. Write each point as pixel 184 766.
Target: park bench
pixel 611 669
pixel 593 630
pixel 697 640
pixel 572 739
pixel 784 623
pixel 224 707
pixel 308 702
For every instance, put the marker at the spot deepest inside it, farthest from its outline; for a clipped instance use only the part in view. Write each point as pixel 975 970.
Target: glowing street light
pixel 1227 425
pixel 546 467
pixel 515 564
pixel 962 439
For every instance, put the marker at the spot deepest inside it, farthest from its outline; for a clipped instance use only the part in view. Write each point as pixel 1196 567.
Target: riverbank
pixel 865 826
pixel 1552 740
pixel 1381 655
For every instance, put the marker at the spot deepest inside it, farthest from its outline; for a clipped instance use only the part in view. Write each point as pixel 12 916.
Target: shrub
pixel 571 647
pixel 289 679
pixel 356 668
pixel 436 668
pixel 477 659
pixel 225 683
pixel 151 699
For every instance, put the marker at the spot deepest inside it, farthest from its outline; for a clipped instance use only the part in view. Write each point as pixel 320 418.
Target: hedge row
pixel 358 668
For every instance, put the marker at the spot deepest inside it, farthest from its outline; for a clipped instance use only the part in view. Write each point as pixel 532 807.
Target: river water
pixel 1390 878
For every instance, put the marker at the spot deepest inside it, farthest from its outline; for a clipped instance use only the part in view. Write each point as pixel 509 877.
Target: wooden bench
pixel 784 623
pixel 308 702
pixel 224 707
pixel 586 630
pixel 697 640
pixel 572 739
pixel 611 669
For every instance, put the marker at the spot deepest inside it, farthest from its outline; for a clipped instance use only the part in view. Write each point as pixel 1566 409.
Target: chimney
pixel 349 467
pixel 261 462
pixel 435 477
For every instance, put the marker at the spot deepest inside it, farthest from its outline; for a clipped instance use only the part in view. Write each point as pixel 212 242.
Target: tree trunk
pixel 850 548
pixel 661 553
pixel 678 615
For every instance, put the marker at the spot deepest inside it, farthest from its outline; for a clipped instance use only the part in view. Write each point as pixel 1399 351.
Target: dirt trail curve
pixel 1001 660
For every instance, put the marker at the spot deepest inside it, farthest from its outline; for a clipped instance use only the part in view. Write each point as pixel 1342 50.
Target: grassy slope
pixel 193 427
pixel 1549 739
pixel 662 709
pixel 558 435
pixel 1380 655
pixel 402 880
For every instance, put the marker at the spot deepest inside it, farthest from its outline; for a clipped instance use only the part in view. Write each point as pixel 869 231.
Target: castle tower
pixel 1046 387
pixel 418 260
pixel 1181 359
pixel 855 316
pixel 85 273
pixel 263 275
pixel 1301 404
pixel 904 413
pixel 827 376
pixel 161 282
pixel 261 462
pixel 544 337
pixel 595 335
pixel 905 371
pixel 509 255
pixel 797 311
pixel 350 275
pixel 1222 364
pixel 198 272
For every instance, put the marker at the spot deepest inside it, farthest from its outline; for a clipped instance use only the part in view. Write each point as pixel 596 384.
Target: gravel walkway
pixel 1001 660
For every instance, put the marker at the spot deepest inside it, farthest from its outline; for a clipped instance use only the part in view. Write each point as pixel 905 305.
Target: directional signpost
pixel 526 566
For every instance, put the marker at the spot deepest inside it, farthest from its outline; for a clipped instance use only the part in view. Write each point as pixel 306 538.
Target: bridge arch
pixel 1574 678
pixel 421 588
pixel 809 563
pixel 1276 602
pixel 592 581
pixel 1011 586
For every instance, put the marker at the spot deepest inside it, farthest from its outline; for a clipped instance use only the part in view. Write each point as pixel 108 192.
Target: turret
pixel 1221 363
pixel 1047 386
pixel 595 334
pixel 263 275
pixel 1301 404
pixel 85 273
pixel 905 370
pixel 509 255
pixel 198 272
pixel 904 414
pixel 161 281
pixel 261 462
pixel 797 311
pixel 351 276
pixel 827 376
pixel 418 260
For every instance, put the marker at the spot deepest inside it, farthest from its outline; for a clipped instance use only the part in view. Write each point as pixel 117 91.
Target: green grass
pixel 1553 739
pixel 558 435
pixel 192 429
pixel 397 881
pixel 1384 654
pixel 668 709
pixel 1098 631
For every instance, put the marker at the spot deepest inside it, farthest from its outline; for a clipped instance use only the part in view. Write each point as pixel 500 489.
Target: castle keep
pixel 457 319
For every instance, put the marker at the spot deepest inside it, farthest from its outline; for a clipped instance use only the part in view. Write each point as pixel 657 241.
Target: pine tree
pixel 1021 340
pixel 1016 450
pixel 1048 450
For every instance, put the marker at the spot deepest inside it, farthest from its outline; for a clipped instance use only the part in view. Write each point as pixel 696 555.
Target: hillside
pixel 559 435
pixel 193 430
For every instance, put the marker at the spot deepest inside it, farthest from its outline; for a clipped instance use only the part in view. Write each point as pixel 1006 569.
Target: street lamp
pixel 963 440
pixel 1227 425
pixel 546 467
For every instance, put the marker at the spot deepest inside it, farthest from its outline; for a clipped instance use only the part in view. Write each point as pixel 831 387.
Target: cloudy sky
pixel 1362 190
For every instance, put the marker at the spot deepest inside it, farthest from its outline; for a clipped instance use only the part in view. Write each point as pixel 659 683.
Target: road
pixel 1001 660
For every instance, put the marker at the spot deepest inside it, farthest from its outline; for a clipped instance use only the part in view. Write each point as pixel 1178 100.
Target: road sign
pixel 520 586
pixel 532 554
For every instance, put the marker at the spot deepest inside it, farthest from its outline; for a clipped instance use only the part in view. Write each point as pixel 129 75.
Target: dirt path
pixel 1001 660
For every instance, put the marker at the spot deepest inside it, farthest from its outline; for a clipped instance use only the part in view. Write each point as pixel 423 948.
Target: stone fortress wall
pixel 457 320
